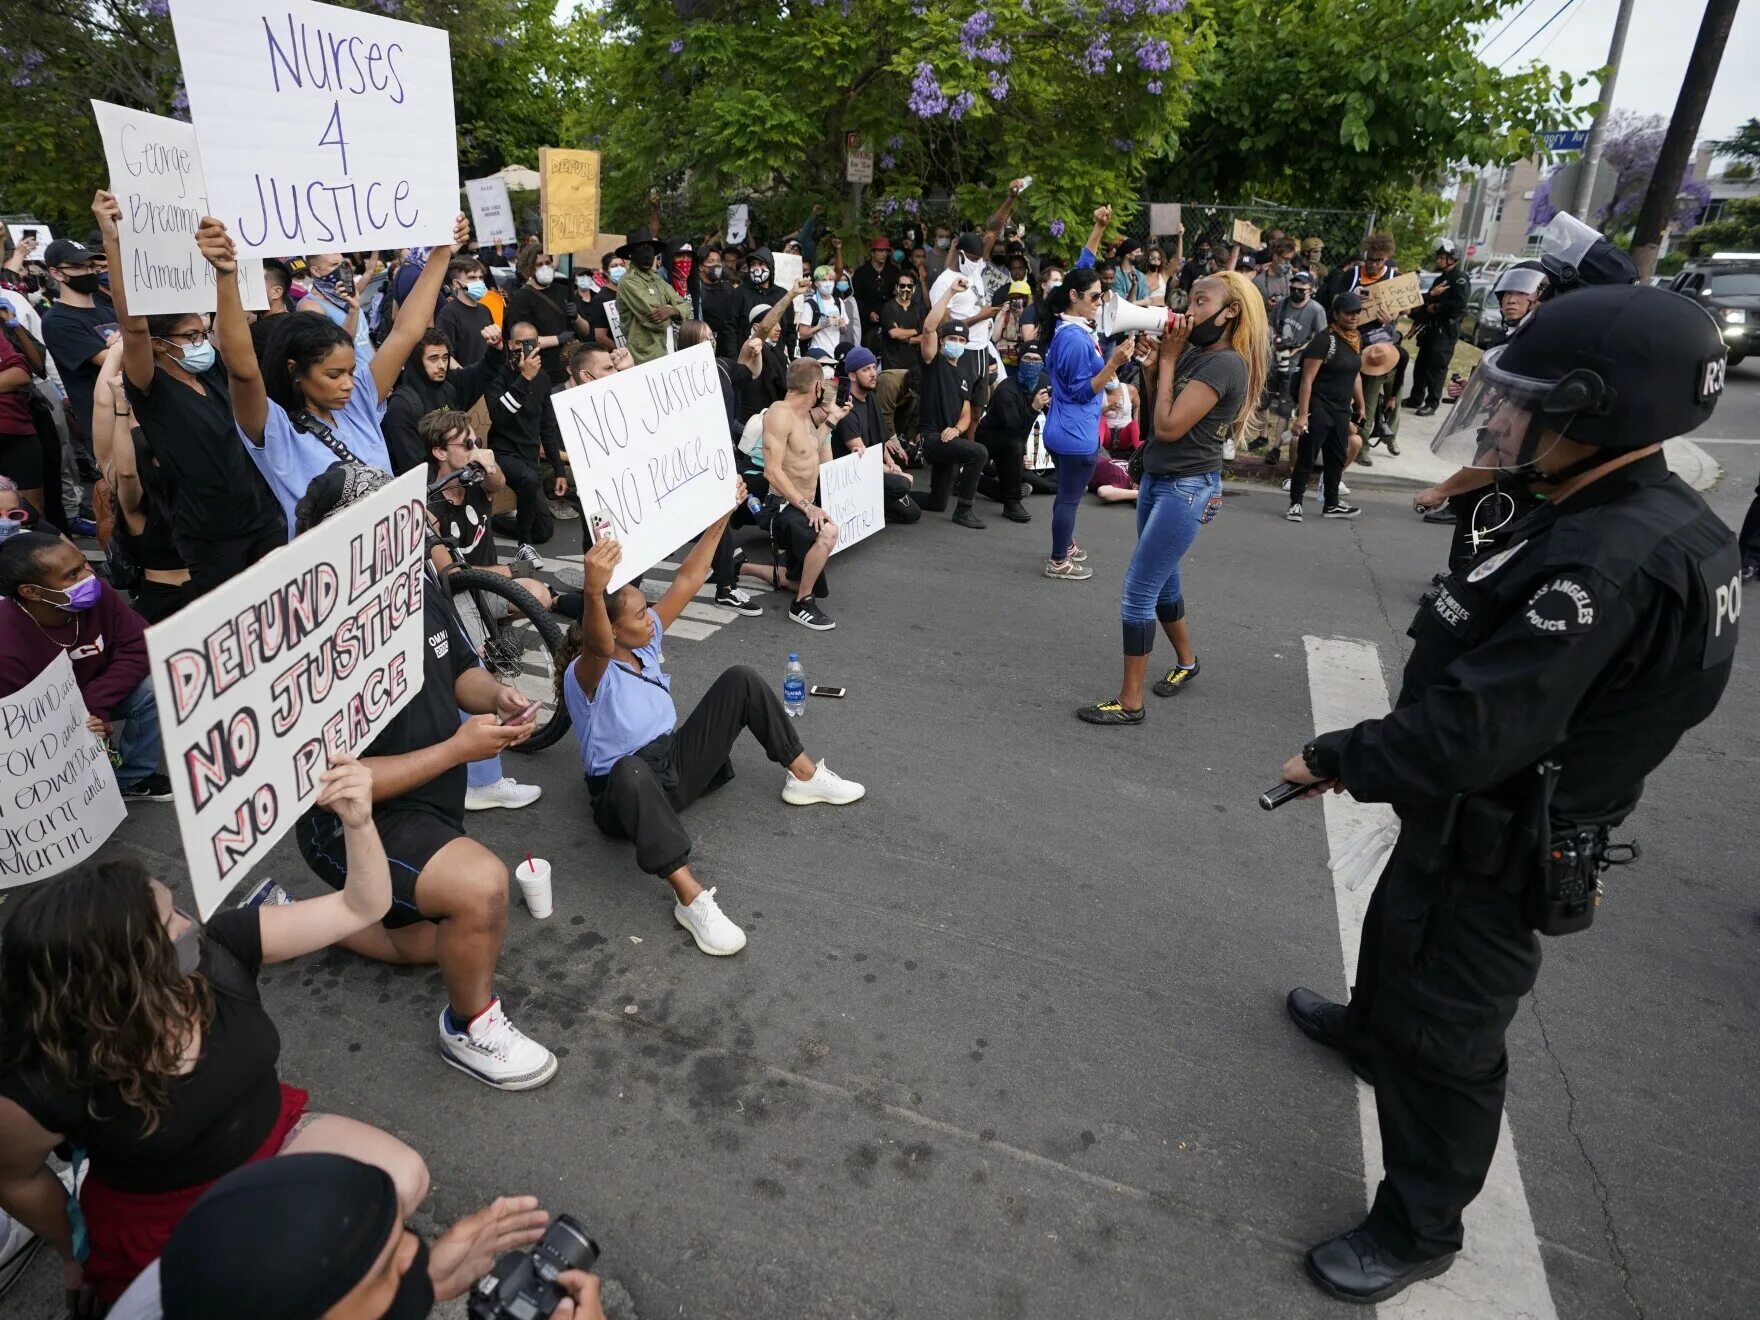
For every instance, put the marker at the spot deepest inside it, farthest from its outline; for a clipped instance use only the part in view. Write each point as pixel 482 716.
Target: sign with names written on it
pixel 568 191
pixel 309 652
pixel 852 489
pixel 491 209
pixel 322 129
pixel 1386 300
pixel 59 800
pixel 648 448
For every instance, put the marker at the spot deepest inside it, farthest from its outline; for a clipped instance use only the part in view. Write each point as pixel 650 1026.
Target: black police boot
pixel 1324 1021
pixel 1354 1267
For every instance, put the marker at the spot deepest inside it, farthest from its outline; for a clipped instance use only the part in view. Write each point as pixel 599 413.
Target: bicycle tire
pixel 552 718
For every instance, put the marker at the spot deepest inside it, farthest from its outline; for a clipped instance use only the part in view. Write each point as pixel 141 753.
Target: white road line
pixel 1499 1273
pixel 708 613
pixel 691 631
pixel 1712 440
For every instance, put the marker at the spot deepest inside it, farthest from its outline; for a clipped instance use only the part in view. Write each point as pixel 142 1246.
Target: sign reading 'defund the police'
pixel 648 448
pixel 307 653
pixel 322 129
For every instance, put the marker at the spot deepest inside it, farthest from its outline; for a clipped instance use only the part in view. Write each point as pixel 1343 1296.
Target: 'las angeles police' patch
pixel 1561 607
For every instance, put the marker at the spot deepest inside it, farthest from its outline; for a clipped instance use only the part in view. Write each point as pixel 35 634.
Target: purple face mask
pixel 82 595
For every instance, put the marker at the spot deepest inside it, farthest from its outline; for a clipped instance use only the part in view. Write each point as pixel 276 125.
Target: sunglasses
pixel 907 288
pixel 469 442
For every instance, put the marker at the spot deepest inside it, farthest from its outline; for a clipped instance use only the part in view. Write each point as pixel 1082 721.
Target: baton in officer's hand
pixel 1273 798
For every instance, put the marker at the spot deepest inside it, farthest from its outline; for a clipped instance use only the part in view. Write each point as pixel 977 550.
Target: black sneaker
pixel 965 516
pixel 154 788
pixel 1015 511
pixel 1178 679
pixel 808 614
pixel 1108 712
pixel 732 598
pixel 1341 511
pixel 1273 456
pixel 1256 444
pixel 1363 459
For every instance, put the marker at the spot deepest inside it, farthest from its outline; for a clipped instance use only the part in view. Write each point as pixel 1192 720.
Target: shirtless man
pixel 797 438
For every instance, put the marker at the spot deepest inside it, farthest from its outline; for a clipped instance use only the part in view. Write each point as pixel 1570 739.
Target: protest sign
pixel 60 801
pixel 1246 233
pixel 322 129
pixel 739 220
pixel 1386 300
pixel 308 653
pixel 614 323
pixel 568 188
pixel 156 174
pixel 1164 219
pixel 252 292
pixel 491 210
pixel 648 448
pixel 785 269
pixel 24 229
pixel 852 489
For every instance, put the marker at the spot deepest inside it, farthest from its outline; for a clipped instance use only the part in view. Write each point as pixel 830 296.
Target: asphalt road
pixel 1008 1039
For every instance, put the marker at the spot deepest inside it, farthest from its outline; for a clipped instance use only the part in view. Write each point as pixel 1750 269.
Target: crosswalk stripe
pixel 1499 1273
pixel 691 630
pixel 708 613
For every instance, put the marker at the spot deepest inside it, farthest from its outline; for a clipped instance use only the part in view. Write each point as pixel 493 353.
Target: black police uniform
pixel 1438 323
pixel 1491 511
pixel 1601 632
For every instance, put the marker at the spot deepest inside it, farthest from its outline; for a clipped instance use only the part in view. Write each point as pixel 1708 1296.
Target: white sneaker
pixel 528 555
pixel 826 785
pixel 18 1245
pixel 504 792
pixel 1343 489
pixel 265 893
pixel 709 925
pixel 496 1052
pixel 1294 514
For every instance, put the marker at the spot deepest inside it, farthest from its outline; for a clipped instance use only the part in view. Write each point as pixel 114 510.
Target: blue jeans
pixel 138 741
pixel 480 774
pixel 1073 474
pixel 1170 510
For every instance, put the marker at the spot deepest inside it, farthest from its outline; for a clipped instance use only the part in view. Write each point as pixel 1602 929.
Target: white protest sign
pixel 1163 219
pixel 156 174
pixel 322 129
pixel 852 489
pixel 785 269
pixel 614 319
pixel 739 219
pixel 647 447
pixel 491 210
pixel 307 653
pixel 31 229
pixel 252 292
pixel 60 799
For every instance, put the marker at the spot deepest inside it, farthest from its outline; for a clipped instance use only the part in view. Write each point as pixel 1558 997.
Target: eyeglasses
pixel 194 338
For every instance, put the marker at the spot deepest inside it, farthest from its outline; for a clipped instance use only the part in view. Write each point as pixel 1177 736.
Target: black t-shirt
pixel 466 525
pixel 221 1111
pixel 73 337
pixel 943 391
pixel 1339 365
pixel 217 493
pixel 541 308
pixel 463 327
pixel 862 422
pixel 432 716
pixel 899 354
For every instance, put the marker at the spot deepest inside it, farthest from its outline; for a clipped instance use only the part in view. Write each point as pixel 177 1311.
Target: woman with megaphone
pixel 1212 369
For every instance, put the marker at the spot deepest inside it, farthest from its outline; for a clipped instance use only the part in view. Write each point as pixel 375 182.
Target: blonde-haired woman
pixel 1213 366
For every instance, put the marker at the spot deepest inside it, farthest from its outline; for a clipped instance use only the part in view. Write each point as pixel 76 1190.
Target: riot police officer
pixel 1547 680
pixel 1438 322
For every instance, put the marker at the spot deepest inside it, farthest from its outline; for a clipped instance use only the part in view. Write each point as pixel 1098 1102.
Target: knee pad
pixel 1139 636
pixel 1170 611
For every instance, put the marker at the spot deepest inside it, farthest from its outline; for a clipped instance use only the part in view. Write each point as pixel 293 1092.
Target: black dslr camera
pixel 523 1286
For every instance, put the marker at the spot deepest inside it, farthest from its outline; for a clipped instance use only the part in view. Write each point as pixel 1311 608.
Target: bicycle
pixel 515 637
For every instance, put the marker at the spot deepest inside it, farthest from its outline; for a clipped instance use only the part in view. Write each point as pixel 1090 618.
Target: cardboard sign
pixel 785 269
pixel 322 129
pixel 309 652
pixel 1039 458
pixel 491 210
pixel 739 220
pixel 1388 299
pixel 156 174
pixel 568 188
pixel 648 448
pixel 1164 219
pixel 1246 234
pixel 60 799
pixel 852 490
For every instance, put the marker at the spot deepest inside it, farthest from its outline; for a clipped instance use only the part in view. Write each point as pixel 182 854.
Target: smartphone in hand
pixel 525 716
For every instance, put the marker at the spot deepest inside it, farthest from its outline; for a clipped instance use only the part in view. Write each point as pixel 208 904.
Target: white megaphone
pixel 1119 318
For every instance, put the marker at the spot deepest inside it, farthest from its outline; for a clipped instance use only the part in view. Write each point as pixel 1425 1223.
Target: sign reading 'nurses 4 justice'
pixel 321 129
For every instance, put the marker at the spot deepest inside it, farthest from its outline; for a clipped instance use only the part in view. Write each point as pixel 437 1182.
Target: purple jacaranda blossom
pixel 961 103
pixel 1154 54
pixel 894 142
pixel 1097 59
pixel 1057 229
pixel 180 103
pixel 972 40
pixel 927 99
pixel 1164 6
pixel 159 8
pixel 677 46
pixel 998 86
pixel 911 206
pixel 1121 8
pixel 387 6
pixel 1154 88
pixel 1122 144
pixel 498 41
pixel 886 161
pixel 889 206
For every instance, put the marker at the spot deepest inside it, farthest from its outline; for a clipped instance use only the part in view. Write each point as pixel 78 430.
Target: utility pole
pixel 1598 129
pixel 1683 129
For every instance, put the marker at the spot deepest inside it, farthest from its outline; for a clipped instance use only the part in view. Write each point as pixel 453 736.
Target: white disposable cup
pixel 534 882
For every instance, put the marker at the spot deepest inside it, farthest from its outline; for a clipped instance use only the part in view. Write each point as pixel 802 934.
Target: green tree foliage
pixel 1736 230
pixel 1743 145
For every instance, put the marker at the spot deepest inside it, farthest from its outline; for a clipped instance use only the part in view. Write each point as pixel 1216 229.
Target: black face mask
pixel 415 1291
pixel 641 256
pixel 712 274
pixel 82 283
pixel 1206 333
pixel 1299 295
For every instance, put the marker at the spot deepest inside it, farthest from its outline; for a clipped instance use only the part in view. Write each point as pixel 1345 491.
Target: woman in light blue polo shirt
pixel 312 401
pixel 642 767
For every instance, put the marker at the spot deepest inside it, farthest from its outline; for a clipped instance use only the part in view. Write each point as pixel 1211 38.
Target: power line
pixel 1486 44
pixel 1547 44
pixel 1536 32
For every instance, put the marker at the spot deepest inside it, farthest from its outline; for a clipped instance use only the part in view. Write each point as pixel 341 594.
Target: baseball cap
pixel 957 329
pixel 65 252
pixel 1301 277
pixel 857 358
pixel 971 244
pixel 1348 301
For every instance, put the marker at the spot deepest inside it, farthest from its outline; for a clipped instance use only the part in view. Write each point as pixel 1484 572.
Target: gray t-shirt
pixel 1199 450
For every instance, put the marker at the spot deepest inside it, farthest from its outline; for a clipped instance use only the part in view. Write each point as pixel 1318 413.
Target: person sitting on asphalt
pixel 642 767
pixel 797 439
pixel 861 428
pixel 162 1069
pixel 944 411
pixel 449 893
pixel 342 1251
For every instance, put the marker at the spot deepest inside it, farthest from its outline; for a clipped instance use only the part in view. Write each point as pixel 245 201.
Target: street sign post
pixel 859 167
pixel 1566 139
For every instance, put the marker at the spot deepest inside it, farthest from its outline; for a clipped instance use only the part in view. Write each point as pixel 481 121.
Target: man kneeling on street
pixel 642 767
pixel 449 893
pixel 797 439
pixel 861 427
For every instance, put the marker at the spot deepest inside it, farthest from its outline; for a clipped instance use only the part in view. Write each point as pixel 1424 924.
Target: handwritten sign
pixel 322 129
pixel 1164 219
pixel 785 269
pixel 648 448
pixel 60 799
pixel 31 229
pixel 852 489
pixel 1246 233
pixel 491 210
pixel 1386 300
pixel 568 189
pixel 156 174
pixel 739 220
pixel 309 652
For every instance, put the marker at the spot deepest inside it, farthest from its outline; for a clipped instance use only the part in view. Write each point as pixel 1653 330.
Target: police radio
pixel 1561 897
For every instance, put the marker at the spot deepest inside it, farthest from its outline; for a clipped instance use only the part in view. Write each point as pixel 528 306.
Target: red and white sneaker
pixel 496 1052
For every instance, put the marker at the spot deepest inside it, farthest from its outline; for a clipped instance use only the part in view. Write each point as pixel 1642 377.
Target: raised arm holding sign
pixel 1389 299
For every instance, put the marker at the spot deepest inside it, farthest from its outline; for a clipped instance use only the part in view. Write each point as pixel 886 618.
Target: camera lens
pixel 566 1246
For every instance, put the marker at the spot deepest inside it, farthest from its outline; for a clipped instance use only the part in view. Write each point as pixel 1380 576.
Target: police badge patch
pixel 1482 571
pixel 1562 607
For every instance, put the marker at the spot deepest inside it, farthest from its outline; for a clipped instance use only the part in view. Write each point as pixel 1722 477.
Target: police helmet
pixel 1575 256
pixel 1529 278
pixel 1620 367
pixel 1445 247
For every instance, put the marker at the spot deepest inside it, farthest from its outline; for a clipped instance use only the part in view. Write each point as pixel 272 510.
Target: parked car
pixel 1426 278
pixel 1728 288
pixel 1482 322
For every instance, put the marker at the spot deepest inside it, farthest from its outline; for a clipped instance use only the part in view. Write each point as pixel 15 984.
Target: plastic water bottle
pixel 794 687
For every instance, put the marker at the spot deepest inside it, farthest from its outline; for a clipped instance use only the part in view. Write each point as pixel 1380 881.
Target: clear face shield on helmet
pixel 1501 421
pixel 1566 242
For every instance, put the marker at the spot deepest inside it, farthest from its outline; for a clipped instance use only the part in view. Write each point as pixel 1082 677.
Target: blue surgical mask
pixel 1028 375
pixel 583 281
pixel 476 289
pixel 898 256
pixel 843 286
pixel 197 357
pixel 616 274
pixel 951 351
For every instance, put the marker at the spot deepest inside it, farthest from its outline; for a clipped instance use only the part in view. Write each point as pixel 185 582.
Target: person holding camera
pixel 342 1252
pixel 523 434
